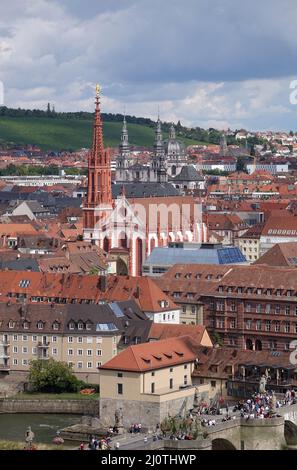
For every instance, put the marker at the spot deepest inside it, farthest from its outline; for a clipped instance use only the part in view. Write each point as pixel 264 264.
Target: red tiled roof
pixel 73 286
pixel 281 254
pixel 281 226
pixel 155 355
pixel 160 331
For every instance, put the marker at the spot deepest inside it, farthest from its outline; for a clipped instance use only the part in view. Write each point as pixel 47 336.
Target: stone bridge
pixel 241 434
pixel 257 434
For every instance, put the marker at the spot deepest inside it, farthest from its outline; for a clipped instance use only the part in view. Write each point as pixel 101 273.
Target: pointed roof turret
pixel 124 145
pixel 172 134
pixel 158 146
pixel 97 152
pixel 223 145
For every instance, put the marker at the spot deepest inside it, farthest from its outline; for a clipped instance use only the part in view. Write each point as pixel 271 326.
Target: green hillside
pixel 58 134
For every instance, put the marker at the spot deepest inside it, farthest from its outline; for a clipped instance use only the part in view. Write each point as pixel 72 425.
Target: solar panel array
pixel 230 255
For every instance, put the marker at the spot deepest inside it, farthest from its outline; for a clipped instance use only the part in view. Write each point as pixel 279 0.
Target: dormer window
pixel 71 326
pixel 80 326
pixel 40 325
pixel 26 325
pixel 24 283
pixel 88 326
pixel 11 324
pixel 188 275
pixel 177 275
pixel 56 326
pixel 278 292
pixel 239 290
pixel 259 291
pixel 289 293
pixel 221 289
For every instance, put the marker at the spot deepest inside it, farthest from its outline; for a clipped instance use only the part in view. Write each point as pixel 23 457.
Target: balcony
pixel 4 356
pixel 41 355
pixel 4 367
pixel 43 344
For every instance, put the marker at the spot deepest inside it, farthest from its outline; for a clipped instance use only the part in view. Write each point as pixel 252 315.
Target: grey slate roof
pixel 188 173
pixel 95 315
pixel 138 190
pixel 22 264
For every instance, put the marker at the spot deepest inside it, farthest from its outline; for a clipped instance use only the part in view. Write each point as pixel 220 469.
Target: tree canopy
pixel 50 376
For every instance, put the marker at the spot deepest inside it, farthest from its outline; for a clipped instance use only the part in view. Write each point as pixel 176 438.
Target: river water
pixel 13 426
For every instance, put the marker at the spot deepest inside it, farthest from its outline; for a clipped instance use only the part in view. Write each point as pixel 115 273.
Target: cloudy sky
pixel 212 63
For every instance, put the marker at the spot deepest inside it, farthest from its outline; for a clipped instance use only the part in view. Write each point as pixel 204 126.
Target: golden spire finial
pixel 98 89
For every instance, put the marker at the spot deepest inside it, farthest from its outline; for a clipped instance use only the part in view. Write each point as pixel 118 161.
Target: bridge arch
pixel 290 433
pixel 222 444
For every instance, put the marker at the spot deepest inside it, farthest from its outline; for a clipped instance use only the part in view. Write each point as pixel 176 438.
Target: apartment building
pixel 183 282
pixel 249 307
pixel 84 336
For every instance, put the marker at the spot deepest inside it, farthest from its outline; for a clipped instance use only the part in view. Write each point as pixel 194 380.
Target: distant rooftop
pixel 195 253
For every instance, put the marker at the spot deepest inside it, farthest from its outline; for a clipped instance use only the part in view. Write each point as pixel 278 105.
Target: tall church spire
pixel 97 152
pixel 99 176
pixel 158 146
pixel 159 163
pixel 124 145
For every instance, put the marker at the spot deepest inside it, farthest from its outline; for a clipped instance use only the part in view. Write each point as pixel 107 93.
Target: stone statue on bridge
pixel 262 385
pixel 118 420
pixel 272 411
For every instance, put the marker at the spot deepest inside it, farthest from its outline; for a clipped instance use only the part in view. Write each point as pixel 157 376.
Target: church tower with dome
pixel 175 154
pixel 167 161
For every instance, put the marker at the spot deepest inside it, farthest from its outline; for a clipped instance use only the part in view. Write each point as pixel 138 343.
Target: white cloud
pixel 206 62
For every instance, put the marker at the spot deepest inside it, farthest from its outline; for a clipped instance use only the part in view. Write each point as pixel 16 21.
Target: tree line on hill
pixel 208 136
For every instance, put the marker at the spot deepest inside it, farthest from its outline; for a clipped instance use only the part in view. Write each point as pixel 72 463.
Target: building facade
pixel 135 226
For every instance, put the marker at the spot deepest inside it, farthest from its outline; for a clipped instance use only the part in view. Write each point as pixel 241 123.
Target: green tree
pixel 217 339
pixel 50 376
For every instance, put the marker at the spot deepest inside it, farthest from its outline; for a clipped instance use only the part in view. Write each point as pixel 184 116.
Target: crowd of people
pixel 135 428
pixel 260 404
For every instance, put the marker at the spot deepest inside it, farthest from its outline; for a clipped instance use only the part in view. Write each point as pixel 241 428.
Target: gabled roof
pixel 281 254
pixel 161 331
pixel 155 355
pixel 281 226
pixel 188 173
pixel 141 190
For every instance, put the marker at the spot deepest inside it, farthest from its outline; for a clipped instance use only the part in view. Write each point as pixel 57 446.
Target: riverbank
pixel 42 404
pixel 53 396
pixel 11 445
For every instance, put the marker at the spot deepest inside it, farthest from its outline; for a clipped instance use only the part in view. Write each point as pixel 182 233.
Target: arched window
pixel 249 344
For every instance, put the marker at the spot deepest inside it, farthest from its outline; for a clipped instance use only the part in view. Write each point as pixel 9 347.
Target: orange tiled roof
pixel 160 331
pixel 155 355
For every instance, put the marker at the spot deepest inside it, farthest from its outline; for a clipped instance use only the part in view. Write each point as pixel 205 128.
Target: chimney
pixel 137 292
pixel 103 283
